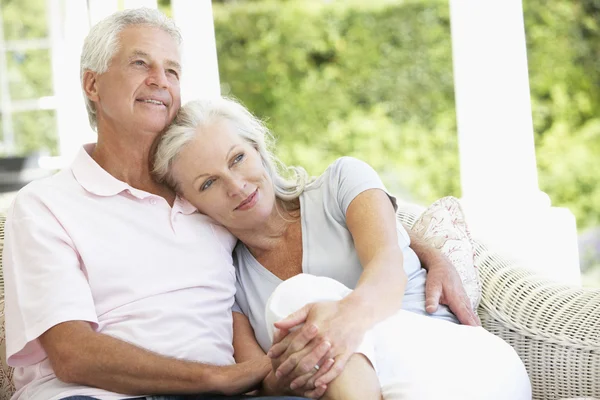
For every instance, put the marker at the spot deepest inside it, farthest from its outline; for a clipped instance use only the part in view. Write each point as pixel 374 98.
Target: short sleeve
pixel 44 280
pixel 236 308
pixel 225 237
pixel 241 304
pixel 351 177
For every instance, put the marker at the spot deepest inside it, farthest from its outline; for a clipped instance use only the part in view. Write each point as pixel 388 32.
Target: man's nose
pixel 158 77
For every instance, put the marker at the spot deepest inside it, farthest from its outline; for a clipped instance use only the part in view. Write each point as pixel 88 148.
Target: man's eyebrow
pixel 173 64
pixel 169 63
pixel 139 53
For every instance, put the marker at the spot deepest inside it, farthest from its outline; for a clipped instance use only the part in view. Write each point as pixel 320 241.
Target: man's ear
pixel 90 85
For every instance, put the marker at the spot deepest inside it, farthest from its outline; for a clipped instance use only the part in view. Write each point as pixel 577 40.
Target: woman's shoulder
pixel 349 163
pixel 340 168
pixel 347 170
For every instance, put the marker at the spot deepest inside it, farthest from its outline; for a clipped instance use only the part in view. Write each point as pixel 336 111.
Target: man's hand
pixel 280 386
pixel 444 286
pixel 310 352
pixel 82 356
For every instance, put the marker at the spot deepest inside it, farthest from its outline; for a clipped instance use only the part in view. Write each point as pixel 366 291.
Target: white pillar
pixel 100 9
pixel 68 28
pixel 140 3
pixel 200 76
pixel 497 153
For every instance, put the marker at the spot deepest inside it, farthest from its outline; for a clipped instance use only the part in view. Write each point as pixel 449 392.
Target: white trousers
pixel 418 357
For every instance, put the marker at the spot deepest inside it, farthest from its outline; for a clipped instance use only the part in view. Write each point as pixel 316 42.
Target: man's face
pixel 141 89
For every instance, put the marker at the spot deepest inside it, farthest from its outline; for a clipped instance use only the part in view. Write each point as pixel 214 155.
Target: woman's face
pixel 223 176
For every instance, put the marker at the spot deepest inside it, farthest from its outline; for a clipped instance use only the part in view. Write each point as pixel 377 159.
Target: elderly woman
pixel 329 252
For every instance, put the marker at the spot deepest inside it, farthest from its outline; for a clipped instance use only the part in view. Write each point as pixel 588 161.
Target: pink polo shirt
pixel 82 245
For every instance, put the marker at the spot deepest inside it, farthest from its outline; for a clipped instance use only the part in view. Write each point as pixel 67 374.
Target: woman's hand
pixel 331 333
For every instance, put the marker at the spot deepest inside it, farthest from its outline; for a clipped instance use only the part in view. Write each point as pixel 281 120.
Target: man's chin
pixel 153 127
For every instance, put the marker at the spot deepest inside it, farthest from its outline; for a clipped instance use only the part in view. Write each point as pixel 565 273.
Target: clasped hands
pixel 305 360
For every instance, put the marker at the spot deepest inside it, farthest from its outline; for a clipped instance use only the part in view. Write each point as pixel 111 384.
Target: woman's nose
pixel 236 186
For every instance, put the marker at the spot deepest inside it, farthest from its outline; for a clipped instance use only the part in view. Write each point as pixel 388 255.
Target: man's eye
pixel 206 185
pixel 173 72
pixel 139 62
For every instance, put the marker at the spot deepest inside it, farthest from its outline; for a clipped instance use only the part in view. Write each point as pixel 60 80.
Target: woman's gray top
pixel 327 246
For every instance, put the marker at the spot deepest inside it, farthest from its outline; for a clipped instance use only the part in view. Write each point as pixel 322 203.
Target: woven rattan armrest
pixel 554 328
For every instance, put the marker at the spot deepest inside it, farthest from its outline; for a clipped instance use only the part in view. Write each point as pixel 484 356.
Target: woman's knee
pixel 358 381
pixel 294 293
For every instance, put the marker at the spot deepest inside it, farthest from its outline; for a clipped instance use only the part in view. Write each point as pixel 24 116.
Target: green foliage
pixel 334 80
pixel 41 128
pixel 24 19
pixel 29 74
pixel 564 69
pixel 165 7
pixel 373 79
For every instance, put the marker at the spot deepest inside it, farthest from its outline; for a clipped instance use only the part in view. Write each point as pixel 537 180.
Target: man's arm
pixel 428 255
pixel 443 285
pixel 80 355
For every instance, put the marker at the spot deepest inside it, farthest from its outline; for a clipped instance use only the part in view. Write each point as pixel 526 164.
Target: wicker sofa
pixel 555 329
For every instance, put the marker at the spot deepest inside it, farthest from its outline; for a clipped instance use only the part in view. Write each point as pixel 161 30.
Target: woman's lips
pixel 249 202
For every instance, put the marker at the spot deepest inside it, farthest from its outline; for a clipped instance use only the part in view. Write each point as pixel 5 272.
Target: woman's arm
pixel 380 289
pixel 371 221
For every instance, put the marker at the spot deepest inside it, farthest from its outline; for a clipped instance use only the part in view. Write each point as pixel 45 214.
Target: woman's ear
pixel 90 87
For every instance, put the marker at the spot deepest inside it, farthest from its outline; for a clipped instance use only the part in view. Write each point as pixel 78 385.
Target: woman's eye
pixel 238 158
pixel 206 185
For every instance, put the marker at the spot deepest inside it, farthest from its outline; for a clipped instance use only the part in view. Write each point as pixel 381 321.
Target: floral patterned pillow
pixel 443 226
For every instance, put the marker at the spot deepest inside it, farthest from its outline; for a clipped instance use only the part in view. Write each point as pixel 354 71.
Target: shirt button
pixel 153 201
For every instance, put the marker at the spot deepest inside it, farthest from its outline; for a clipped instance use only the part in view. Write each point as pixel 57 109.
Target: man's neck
pixel 129 162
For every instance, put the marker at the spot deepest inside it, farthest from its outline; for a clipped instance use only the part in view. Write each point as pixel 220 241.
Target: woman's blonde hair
pixel 288 182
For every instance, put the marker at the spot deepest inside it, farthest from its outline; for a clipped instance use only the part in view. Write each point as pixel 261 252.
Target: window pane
pixel 24 19
pixel 2 149
pixel 35 131
pixel 29 74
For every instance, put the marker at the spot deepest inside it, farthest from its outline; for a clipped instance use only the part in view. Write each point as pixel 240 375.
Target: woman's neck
pixel 270 235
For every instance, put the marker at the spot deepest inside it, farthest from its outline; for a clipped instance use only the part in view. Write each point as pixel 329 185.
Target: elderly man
pixel 115 287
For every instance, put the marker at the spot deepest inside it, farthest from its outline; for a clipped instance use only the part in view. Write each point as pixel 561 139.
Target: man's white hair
pixel 102 42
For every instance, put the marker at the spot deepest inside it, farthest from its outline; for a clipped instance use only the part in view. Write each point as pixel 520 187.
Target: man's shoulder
pixel 47 189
